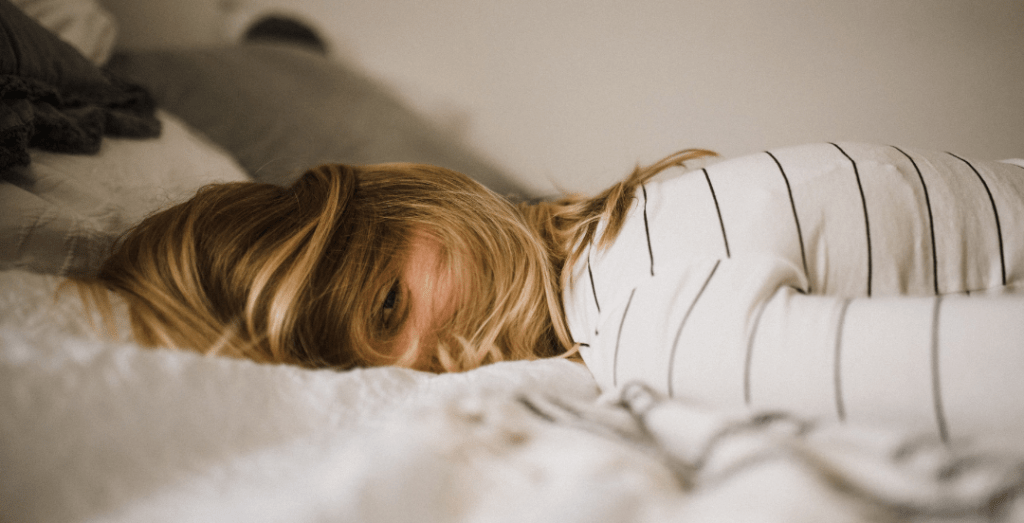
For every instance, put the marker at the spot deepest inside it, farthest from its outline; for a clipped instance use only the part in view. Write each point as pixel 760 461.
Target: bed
pixel 98 430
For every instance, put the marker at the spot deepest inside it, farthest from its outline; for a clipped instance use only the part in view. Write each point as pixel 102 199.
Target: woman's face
pixel 424 298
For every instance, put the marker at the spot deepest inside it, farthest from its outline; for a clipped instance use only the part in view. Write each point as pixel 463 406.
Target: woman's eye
pixel 391 298
pixel 390 304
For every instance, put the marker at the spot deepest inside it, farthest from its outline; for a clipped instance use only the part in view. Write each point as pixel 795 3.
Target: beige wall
pixel 574 92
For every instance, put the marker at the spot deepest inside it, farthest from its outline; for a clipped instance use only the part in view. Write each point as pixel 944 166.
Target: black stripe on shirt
pixel 593 292
pixel 618 338
pixel 593 288
pixel 725 239
pixel 679 331
pixel 995 212
pixel 837 362
pixel 796 219
pixel 940 412
pixel 931 221
pixel 864 204
pixel 647 230
pixel 747 364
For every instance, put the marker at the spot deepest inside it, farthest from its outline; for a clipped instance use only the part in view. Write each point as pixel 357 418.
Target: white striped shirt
pixel 846 281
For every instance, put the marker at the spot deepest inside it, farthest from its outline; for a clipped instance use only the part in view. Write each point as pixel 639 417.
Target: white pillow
pixel 62 212
pixel 84 24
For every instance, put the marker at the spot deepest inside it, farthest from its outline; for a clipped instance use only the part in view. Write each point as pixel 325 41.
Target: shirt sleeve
pixel 948 364
pixel 739 332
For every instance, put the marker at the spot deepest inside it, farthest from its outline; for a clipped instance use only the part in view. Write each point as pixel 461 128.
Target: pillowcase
pixel 63 212
pixel 280 109
pixel 83 24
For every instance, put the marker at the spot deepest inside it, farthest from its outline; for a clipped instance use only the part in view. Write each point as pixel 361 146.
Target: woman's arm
pixel 948 364
pixel 736 332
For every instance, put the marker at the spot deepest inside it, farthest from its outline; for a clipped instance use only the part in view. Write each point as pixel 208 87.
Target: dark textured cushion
pixel 28 50
pixel 57 100
pixel 280 109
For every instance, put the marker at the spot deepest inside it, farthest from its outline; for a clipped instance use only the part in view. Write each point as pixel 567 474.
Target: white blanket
pixel 93 430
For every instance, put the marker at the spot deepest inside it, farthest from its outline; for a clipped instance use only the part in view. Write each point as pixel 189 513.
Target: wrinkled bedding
pixel 106 431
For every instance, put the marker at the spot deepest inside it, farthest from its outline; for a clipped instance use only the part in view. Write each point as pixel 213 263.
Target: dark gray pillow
pixel 280 109
pixel 57 100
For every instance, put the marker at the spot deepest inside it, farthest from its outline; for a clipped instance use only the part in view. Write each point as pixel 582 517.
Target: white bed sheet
pixel 93 430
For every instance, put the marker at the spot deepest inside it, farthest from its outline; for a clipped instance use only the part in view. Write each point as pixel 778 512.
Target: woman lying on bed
pixel 766 279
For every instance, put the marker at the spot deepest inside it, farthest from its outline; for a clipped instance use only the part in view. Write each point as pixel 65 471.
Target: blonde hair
pixel 299 275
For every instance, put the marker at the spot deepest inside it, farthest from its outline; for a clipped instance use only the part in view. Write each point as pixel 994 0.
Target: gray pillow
pixel 280 108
